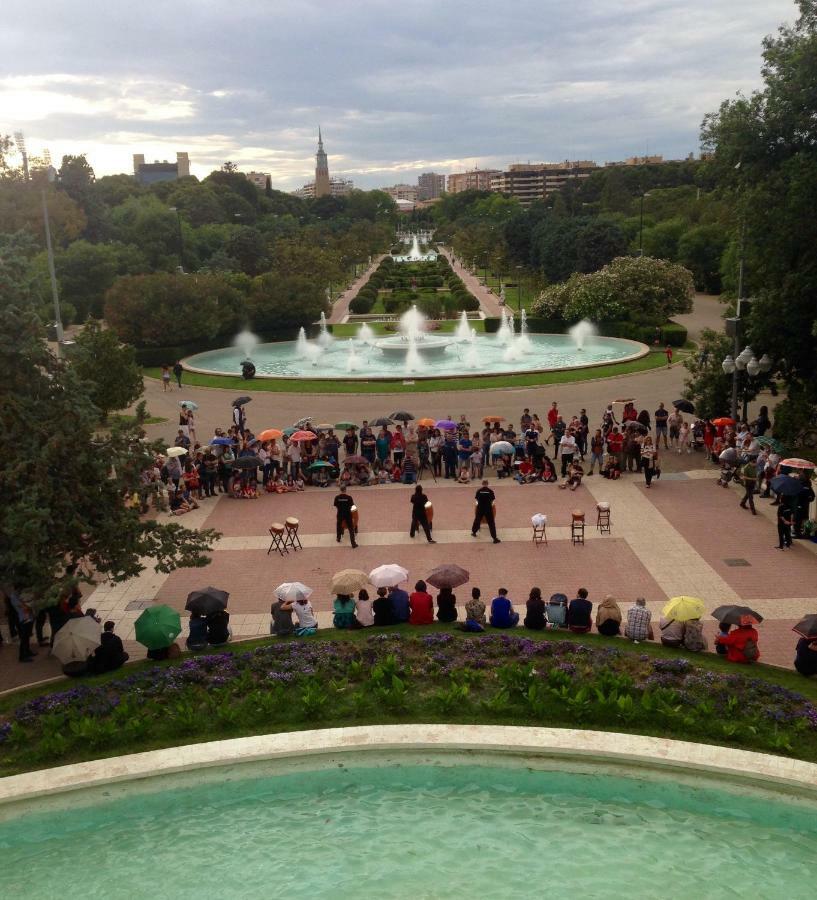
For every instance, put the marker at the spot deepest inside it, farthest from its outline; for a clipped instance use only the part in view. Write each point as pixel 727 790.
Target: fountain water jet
pixel 302 343
pixel 412 324
pixel 523 340
pixel 365 334
pixel 504 332
pixel 324 339
pixel 412 356
pixel 581 332
pixel 353 361
pixel 246 342
pixel 463 332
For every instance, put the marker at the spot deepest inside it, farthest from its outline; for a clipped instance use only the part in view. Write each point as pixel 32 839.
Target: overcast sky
pixel 398 88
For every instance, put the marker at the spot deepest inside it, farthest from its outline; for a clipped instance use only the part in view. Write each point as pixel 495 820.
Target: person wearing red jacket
pixel 736 643
pixel 421 605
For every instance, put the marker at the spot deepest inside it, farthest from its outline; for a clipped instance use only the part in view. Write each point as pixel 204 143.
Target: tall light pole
pixel 51 270
pixel 641 224
pixel 176 210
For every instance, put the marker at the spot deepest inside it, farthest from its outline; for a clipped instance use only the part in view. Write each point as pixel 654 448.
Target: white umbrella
pixel 77 640
pixel 388 575
pixel 293 591
pixel 501 447
pixel 176 451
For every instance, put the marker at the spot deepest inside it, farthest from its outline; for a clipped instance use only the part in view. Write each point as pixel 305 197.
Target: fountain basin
pixel 545 353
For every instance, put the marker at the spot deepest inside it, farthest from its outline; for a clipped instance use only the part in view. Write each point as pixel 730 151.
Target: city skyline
pixel 396 94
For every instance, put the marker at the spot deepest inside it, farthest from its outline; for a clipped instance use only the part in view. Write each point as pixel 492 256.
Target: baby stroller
pixel 729 465
pixel 697 435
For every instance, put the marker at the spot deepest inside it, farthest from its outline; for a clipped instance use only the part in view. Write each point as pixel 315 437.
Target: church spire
pixel 322 184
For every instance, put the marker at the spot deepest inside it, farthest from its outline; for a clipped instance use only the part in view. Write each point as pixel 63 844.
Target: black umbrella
pixel 206 601
pixel 632 423
pixel 733 614
pixel 247 462
pixel 240 401
pixel 807 627
pixel 402 415
pixel 684 406
pixel 785 485
pixel 381 422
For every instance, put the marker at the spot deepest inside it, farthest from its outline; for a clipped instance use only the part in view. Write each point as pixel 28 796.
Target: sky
pixel 397 88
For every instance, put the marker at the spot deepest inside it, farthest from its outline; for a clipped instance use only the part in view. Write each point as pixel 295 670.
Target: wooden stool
pixel 540 523
pixel 603 518
pixel 577 527
pixel 276 530
pixel 291 538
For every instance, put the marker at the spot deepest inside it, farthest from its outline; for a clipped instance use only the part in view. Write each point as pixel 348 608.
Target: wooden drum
pixel 493 510
pixel 355 519
pixel 429 511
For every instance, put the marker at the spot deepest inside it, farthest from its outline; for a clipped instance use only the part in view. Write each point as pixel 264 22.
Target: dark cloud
pixel 397 88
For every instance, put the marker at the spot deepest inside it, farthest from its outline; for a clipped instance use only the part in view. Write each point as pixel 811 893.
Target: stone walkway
pixel 340 308
pixel 488 301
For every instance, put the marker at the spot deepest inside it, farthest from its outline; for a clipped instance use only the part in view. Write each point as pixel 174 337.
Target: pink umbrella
pixel 795 462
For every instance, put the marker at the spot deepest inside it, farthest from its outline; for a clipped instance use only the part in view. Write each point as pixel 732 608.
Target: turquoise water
pixel 425 830
pixel 487 355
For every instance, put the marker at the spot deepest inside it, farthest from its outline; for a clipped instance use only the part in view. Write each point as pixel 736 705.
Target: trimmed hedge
pixel 669 333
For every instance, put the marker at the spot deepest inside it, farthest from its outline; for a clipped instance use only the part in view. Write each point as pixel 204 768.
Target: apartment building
pixel 528 182
pixel 475 180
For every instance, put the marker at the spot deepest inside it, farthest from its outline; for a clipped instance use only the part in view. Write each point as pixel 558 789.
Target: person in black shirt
pixel 382 608
pixel 110 654
pixel 485 509
pixel 343 505
pixel 784 523
pixel 177 371
pixel 535 618
pixel 419 517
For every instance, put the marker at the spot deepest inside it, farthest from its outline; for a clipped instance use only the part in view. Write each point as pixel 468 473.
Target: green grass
pixel 654 360
pixel 447 326
pixel 527 293
pixel 128 420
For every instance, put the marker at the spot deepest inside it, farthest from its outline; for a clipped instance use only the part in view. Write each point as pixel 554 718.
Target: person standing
pixel 343 504
pixel 239 419
pixel 668 352
pixel 661 417
pixel 177 371
pixel 25 625
pixel 582 433
pixel 568 448
pixel 449 454
pixel 785 520
pixel 649 460
pixel 419 516
pixel 165 378
pixel 485 498
pixel 596 451
pixel 748 473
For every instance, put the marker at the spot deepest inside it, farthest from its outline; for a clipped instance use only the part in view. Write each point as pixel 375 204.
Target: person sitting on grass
pixel 805 660
pixel 694 638
pixel 218 628
pixel 382 608
pixel 608 617
pixel 535 611
pixel 344 611
pixel 672 632
pixel 281 612
pixel 502 611
pixel 474 612
pixel 446 605
pixel 363 609
pixel 197 638
pixel 400 610
pixel 110 654
pixel 741 644
pixel 579 613
pixel 639 625
pixel 307 623
pixel 422 606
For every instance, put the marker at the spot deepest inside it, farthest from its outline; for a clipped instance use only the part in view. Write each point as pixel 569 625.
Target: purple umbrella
pixel 446 425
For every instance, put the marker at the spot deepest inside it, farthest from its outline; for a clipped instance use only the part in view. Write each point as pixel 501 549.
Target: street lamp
pixel 641 224
pixel 176 210
pixel 51 175
pixel 745 361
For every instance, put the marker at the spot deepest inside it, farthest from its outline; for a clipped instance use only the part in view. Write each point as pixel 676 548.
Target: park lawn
pixel 407 674
pixel 527 294
pixel 654 360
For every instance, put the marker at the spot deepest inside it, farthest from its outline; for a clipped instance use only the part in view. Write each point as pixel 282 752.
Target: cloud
pixel 396 89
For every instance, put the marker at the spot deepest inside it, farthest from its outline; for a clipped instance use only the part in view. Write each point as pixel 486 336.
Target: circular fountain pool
pixel 443 356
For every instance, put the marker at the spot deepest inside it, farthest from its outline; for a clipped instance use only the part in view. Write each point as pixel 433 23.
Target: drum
pixel 578 515
pixel 493 510
pixel 429 512
pixel 355 516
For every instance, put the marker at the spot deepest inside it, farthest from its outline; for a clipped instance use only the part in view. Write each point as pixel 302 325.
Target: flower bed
pixel 388 677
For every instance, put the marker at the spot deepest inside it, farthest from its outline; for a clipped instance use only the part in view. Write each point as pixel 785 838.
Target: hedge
pixel 669 333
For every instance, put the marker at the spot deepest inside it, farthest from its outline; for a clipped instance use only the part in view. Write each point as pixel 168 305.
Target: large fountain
pixel 415 254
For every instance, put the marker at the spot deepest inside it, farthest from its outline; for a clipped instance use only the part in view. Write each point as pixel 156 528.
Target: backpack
pixel 750 651
pixel 693 637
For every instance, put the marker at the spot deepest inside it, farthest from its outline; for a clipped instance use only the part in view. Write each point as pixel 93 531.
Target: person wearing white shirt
pixel 567 449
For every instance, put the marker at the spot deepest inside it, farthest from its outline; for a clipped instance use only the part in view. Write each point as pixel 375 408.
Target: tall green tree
pixel 63 482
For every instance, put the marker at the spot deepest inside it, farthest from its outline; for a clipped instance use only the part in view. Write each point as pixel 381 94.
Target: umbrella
pixel 381 422
pixel 682 609
pixel 625 400
pixel 288 432
pixel 684 406
pixel 794 462
pixel 301 422
pixel 206 601
pixel 157 627
pixel 247 462
pixel 446 425
pixel 448 575
pixel 737 615
pixel 724 420
pixel 634 423
pixel 402 416
pixel 321 464
pixel 356 460
pixel 347 581
pixel 176 451
pixel 240 401
pixel 500 447
pixel 729 455
pixel 806 627
pixel 388 575
pixel 77 639
pixel 493 418
pixel 221 442
pixel 270 434
pixel 345 426
pixel 293 591
pixel 426 423
pixel 188 404
pixel 302 436
pixel 785 485
pixel 325 427
pixel 770 442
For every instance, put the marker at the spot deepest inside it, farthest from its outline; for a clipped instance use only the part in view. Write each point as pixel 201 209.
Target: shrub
pixel 361 305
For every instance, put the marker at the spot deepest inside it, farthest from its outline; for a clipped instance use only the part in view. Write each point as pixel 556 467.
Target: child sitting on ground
pixel 610 469
pixel 248 491
pixel 574 476
pixel 465 475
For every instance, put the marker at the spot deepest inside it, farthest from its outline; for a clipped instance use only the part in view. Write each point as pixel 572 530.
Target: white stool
pixel 539 522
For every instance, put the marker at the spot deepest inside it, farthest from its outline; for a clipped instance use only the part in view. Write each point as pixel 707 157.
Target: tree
pixel 598 243
pixel 21 209
pixel 707 385
pixel 76 177
pixel 661 241
pixel 279 305
pixel 164 310
pixel 700 250
pixel 108 368
pixel 247 245
pixel 146 222
pixel 16 284
pixel 63 483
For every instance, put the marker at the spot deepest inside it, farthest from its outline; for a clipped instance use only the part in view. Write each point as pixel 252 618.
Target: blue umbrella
pixel 222 442
pixel 785 485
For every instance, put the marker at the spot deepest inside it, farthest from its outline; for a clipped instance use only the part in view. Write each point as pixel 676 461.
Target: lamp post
pixel 745 361
pixel 51 270
pixel 176 210
pixel 641 224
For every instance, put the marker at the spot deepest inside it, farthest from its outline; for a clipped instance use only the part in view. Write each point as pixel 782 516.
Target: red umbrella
pixel 795 462
pixel 303 436
pixel 724 420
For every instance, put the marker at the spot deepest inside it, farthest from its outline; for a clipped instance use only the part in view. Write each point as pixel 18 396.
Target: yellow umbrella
pixel 682 609
pixel 347 581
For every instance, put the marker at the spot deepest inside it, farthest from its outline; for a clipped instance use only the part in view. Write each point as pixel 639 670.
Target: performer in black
pixel 344 504
pixel 485 508
pixel 419 517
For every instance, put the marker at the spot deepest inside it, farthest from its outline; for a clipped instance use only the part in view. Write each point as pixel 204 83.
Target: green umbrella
pixel 345 426
pixel 321 464
pixel 289 431
pixel 771 443
pixel 158 627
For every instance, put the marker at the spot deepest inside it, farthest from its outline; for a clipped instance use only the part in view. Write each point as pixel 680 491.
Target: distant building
pixel 430 186
pixel 259 179
pixel 338 187
pixel 528 182
pixel 475 180
pixel 151 173
pixel 323 187
pixel 407 192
